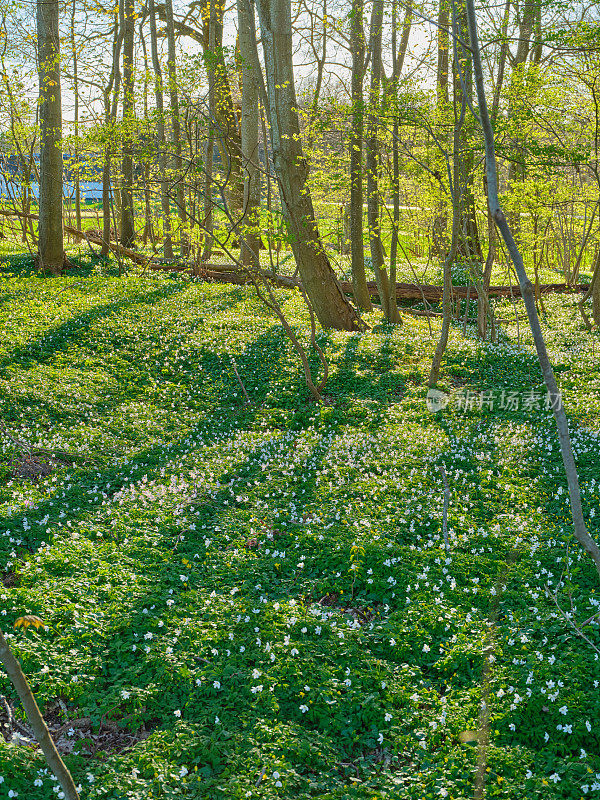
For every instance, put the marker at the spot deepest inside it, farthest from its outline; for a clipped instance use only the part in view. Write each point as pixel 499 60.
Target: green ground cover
pixel 257 600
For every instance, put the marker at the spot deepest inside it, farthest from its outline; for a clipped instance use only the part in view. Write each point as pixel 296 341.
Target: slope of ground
pixel 257 601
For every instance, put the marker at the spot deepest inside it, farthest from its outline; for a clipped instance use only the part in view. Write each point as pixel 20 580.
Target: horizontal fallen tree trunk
pixel 412 291
pixel 89 236
pixel 229 273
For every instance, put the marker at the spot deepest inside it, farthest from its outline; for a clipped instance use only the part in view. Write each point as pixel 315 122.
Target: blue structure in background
pixel 91 190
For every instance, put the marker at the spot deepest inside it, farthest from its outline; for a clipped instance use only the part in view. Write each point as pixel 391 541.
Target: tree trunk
pixel 76 121
pixel 250 227
pixel 148 232
pixel 516 167
pixel 373 161
pixel 442 53
pixel 127 211
pixel 596 290
pixel 439 246
pixel 357 250
pixel 469 245
pixel 207 225
pixel 210 47
pixel 160 135
pixel 580 529
pixel 51 253
pixel 176 128
pixel 451 255
pixel 110 112
pixel 398 57
pixel 333 310
pixel 320 56
pixel 106 188
pixel 226 131
pixel 36 721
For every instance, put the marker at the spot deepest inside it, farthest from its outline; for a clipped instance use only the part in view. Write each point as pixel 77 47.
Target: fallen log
pixel 412 291
pixel 89 236
pixel 230 273
pixel 227 273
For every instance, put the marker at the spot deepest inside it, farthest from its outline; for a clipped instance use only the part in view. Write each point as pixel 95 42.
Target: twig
pixel 36 720
pixel 66 455
pixel 486 679
pixel 18 442
pixel 313 339
pixel 446 504
pixel 575 627
pixel 237 375
pixel 261 776
pixel 9 715
pixel 593 618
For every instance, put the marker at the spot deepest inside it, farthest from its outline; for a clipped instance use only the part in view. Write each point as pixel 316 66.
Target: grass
pixel 256 601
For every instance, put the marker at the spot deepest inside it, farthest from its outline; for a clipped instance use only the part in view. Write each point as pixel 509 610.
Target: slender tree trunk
pixel 516 167
pixel 176 129
pixel 469 244
pixel 110 112
pixel 35 719
pixel 362 296
pixel 595 289
pixel 501 61
pixel 127 211
pixel 484 309
pixel 451 256
pixel 536 51
pixel 250 228
pixel 398 57
pixel 332 308
pixel 160 135
pixel 373 160
pixel 439 247
pixel 320 56
pixel 580 529
pixel 210 47
pixel 148 232
pixel 226 130
pixel 51 253
pixel 76 120
pixel 106 187
pixel 443 41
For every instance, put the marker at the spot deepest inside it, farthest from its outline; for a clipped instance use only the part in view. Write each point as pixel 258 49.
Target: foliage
pixel 263 591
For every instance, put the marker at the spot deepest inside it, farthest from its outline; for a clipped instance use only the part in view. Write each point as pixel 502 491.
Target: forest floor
pixel 255 601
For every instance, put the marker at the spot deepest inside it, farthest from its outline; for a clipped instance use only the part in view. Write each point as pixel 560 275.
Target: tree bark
pixel 442 53
pixel 127 228
pixel 226 130
pixel 357 250
pixel 110 111
pixel 176 128
pixel 439 247
pixel 373 161
pixel 579 527
pixel 36 721
pixel 516 167
pixel 451 255
pixel 469 244
pixel 160 135
pixel 250 226
pixel 398 57
pixel 333 310
pixel 51 253
pixel 75 168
